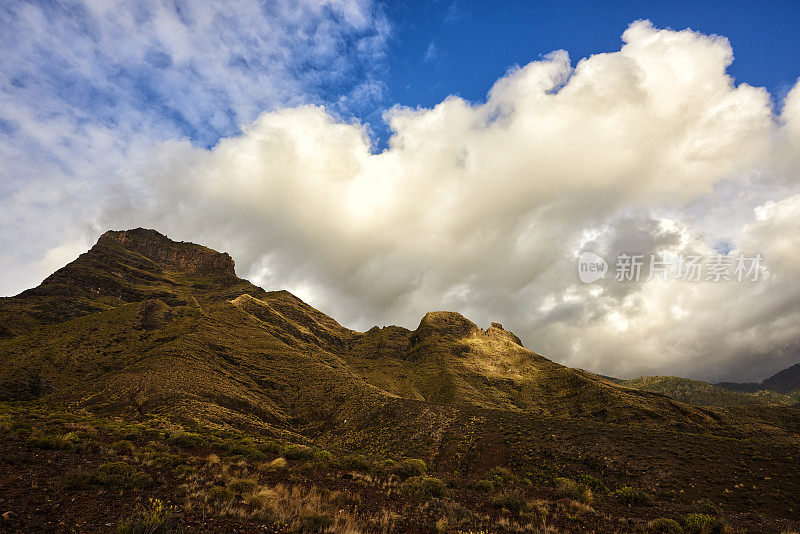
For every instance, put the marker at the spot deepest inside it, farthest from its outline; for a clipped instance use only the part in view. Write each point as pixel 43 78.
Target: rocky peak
pixel 178 255
pixel 444 324
pixel 497 330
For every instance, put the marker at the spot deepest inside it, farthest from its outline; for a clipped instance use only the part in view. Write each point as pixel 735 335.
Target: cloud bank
pixel 484 207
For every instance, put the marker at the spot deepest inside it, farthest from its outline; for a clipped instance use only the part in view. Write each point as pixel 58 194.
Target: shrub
pixel 566 487
pixel 484 486
pixel 297 452
pixel 706 507
pixel 123 447
pixel 410 468
pixel 629 495
pixel 185 440
pixel 501 475
pixel 664 525
pixel 156 519
pixel 357 462
pixel 702 524
pixel 321 455
pixel 269 447
pixel 511 501
pixel 184 471
pixel 594 484
pixel 49 442
pixel 423 487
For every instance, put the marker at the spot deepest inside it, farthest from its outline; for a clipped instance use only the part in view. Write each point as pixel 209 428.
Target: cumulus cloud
pixel 87 86
pixel 484 207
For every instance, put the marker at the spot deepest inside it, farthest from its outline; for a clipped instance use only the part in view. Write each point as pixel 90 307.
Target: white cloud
pixel 89 86
pixel 483 208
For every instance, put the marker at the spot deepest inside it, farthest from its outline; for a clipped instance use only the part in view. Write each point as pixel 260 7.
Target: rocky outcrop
pixel 173 255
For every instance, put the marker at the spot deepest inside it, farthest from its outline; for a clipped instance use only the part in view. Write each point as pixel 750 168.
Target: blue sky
pixel 385 159
pixel 473 43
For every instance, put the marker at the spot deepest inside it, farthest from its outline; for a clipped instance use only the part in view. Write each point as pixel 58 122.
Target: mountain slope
pixel 142 339
pixel 703 393
pixel 786 381
pixel 142 323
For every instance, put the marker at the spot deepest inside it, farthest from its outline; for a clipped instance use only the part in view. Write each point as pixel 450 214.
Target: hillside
pixel 703 393
pixel 158 325
pixel 786 382
pixel 162 335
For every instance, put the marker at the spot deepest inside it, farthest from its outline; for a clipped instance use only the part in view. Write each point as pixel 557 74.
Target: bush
pixel 49 442
pixel 269 447
pixel 663 525
pixel 156 519
pixel 297 452
pixel 484 486
pixel 501 475
pixel 185 440
pixel 629 495
pixel 511 501
pixel 123 447
pixel 566 487
pixel 702 524
pixel 423 487
pixel 357 462
pixel 594 484
pixel 410 468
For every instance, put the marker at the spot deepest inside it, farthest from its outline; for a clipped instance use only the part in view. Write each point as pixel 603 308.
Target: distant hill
pixel 786 381
pixel 703 393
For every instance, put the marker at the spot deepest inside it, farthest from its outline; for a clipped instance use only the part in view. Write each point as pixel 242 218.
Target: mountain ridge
pixel 139 289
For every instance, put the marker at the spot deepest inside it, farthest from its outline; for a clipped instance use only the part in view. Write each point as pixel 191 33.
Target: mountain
pixel 155 351
pixel 786 381
pixel 143 321
pixel 703 393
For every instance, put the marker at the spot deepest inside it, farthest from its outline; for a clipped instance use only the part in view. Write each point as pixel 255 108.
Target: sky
pixel 382 160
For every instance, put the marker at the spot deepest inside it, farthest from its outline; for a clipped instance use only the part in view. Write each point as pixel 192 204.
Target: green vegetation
pixel 705 394
pixel 702 524
pixel 629 495
pixel 423 487
pixel 664 525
